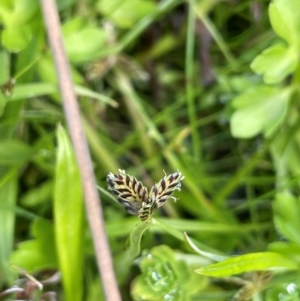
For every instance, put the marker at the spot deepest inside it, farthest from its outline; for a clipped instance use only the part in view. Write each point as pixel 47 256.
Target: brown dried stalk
pixel 72 114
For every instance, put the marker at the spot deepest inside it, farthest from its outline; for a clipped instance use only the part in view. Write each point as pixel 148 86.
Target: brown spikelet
pixel 164 189
pixel 130 192
pixel 133 195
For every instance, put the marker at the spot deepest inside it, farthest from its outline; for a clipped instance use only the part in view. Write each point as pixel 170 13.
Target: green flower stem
pixel 162 8
pixel 179 235
pixel 100 151
pixel 239 176
pixel 216 35
pixel 136 112
pixel 189 75
pixel 133 249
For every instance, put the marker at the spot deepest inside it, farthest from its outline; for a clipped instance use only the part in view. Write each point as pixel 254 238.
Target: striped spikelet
pixel 133 195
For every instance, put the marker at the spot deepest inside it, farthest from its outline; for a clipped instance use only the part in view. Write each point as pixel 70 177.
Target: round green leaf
pixel 275 63
pixel 82 42
pixel 16 39
pixel 285 20
pixel 38 253
pixel 18 12
pixel 260 109
pixel 125 13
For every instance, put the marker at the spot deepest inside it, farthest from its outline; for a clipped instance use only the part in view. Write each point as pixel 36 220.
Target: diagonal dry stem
pixel 73 118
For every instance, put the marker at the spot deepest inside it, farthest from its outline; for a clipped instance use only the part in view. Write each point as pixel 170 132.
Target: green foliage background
pixel 209 88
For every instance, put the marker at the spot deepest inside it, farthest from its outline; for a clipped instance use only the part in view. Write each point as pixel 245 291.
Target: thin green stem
pixel 216 35
pixel 135 31
pixel 26 68
pixel 133 248
pixel 239 176
pixel 136 112
pixel 189 74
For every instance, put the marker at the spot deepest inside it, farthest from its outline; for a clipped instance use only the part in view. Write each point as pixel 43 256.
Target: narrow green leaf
pixel 37 195
pixel 290 250
pixel 133 244
pixel 133 248
pixel 8 197
pixel 5 63
pixel 286 218
pixel 178 234
pixel 125 13
pixel 246 263
pixel 37 89
pixel 83 91
pixel 14 152
pixel 68 213
pixel 16 39
pixel 212 256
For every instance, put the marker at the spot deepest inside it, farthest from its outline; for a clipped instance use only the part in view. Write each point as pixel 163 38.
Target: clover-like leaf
pixel 275 63
pixel 125 13
pixel 285 20
pixel 38 253
pixel 260 109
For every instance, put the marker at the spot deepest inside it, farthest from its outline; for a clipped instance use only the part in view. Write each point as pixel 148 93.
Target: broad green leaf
pixel 260 109
pixel 8 197
pixel 249 262
pixel 82 41
pixel 275 63
pixel 16 39
pixel 18 12
pixel 125 13
pixel 14 152
pixel 286 218
pixel 68 216
pixel 285 20
pixel 38 253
